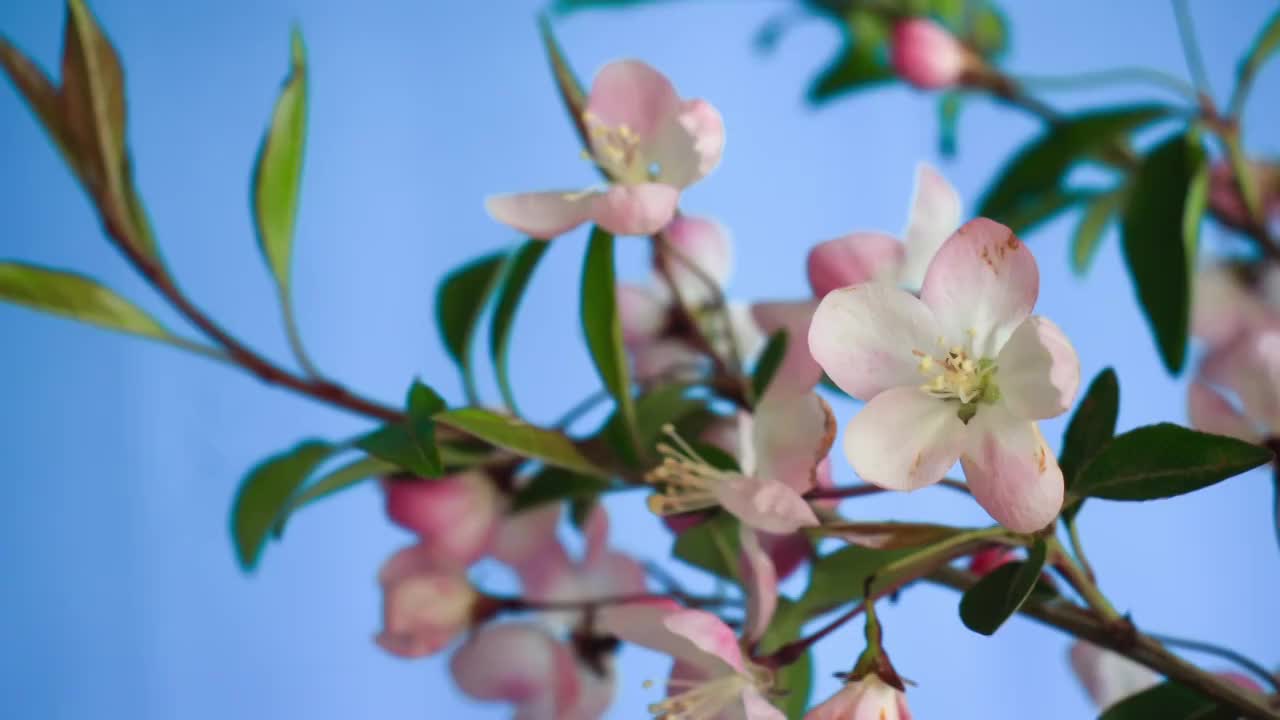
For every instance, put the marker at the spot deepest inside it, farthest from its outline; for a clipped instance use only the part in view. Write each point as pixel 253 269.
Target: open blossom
pixel 961 372
pixel 712 676
pixel 781 448
pixel 1249 368
pixel 1107 676
pixel 1230 300
pixel 601 573
pixel 425 604
pixel 650 144
pixel 869 698
pixel 455 516
pixel 927 55
pixel 646 312
pixel 861 257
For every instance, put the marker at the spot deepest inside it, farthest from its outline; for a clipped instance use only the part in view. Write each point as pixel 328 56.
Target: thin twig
pixel 1224 653
pixel 853 491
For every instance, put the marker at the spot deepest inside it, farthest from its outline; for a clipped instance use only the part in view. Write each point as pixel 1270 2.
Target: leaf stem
pixel 295 337
pixel 1111 76
pixel 1081 581
pixel 1191 49
pixel 1077 548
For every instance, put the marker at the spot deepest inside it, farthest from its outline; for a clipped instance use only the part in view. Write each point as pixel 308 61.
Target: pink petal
pixel 927 55
pixel 764 504
pixel 867 699
pixel 595 693
pixel 667 359
pixel 1107 676
pixel 543 215
pixel 704 243
pixel 1038 371
pixel 708 634
pixel 982 283
pixel 527 542
pixel 853 259
pixel 990 558
pixel 644 624
pixel 798 371
pixel 864 335
pixel 787 552
pixel 689 147
pixel 519 663
pixel 1010 470
pixel 791 434
pixel 1210 412
pixel 641 209
pixel 1250 366
pixel 456 516
pixel 596 533
pixel 934 216
pixel 904 439
pixel 424 605
pixel 756 706
pixel 631 93
pixel 642 311
pixel 761 582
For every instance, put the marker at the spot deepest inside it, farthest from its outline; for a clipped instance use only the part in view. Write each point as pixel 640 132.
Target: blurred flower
pixel 1249 368
pixel 455 516
pixel 990 558
pixel 927 55
pixel 650 143
pixel 990 370
pixel 1231 300
pixel 869 698
pixel 864 257
pixel 425 604
pixel 1109 677
pixel 1225 201
pixel 601 573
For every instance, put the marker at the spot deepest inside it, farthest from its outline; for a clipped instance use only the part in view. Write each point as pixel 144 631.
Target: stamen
pixel 685 478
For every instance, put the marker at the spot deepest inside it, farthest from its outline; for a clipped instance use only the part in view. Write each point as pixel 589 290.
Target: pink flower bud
pixel 990 558
pixel 455 516
pixel 927 55
pixel 869 697
pixel 425 605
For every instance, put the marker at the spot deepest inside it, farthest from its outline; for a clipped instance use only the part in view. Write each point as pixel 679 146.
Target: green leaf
pixel 841 576
pixel 1264 46
pixel 516 435
pixel 1000 593
pixel 77 297
pixel 41 95
pixel 949 105
pixel 1093 222
pixel 711 545
pixel 341 478
pixel 602 328
pixel 514 282
pixel 1040 167
pixel 663 405
pixel 1164 460
pixel 1043 208
pixel 770 360
pixel 264 495
pixel 795 681
pixel 1159 240
pixel 860 63
pixel 1091 428
pixel 277 175
pixel 572 95
pixel 556 484
pixel 460 301
pixel 1167 701
pixel 410 445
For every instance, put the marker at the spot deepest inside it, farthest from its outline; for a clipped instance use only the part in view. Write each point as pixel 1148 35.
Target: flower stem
pixel 1081 581
pixel 1077 548
pixel 1224 653
pixel 1111 76
pixel 852 491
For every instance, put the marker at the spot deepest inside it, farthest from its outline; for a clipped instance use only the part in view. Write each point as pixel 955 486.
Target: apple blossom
pixel 455 516
pixel 712 676
pixel 649 143
pixel 1250 369
pixel 1107 676
pixel 1231 300
pixel 962 372
pixel 601 573
pixel 869 698
pixel 781 448
pixel 927 55
pixel 425 604
pixel 860 257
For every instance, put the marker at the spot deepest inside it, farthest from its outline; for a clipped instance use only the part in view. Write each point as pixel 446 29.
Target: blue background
pixel 120 595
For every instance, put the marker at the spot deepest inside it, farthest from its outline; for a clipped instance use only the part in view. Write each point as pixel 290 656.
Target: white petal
pixel 1038 371
pixel 765 505
pixel 1010 470
pixel 904 439
pixel 934 216
pixel 542 215
pixel 791 435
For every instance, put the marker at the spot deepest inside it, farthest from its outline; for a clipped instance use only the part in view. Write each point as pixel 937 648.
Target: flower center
pixel 685 480
pixel 617 149
pixel 957 375
pixel 701 700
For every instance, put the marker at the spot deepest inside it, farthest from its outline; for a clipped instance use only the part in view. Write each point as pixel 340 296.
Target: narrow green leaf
pixel 1167 701
pixel 999 594
pixel 41 96
pixel 841 576
pixel 460 301
pixel 949 105
pixel 602 327
pixel 663 405
pixel 570 89
pixel 1042 165
pixel 890 535
pixel 1158 250
pixel 1264 46
pixel 410 445
pixel 519 437
pixel 1164 460
pixel 341 478
pixel 861 62
pixel 1092 426
pixel 1042 208
pixel 277 174
pixel 514 282
pixel 264 496
pixel 77 297
pixel 767 366
pixel 555 484
pixel 1093 222
pixel 711 545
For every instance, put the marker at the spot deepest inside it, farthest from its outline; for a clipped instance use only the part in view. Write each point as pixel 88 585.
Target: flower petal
pixel 1210 412
pixel 708 633
pixel 934 216
pixel 787 552
pixel 1250 366
pixel 542 214
pixel 667 359
pixel 642 312
pixel 1010 470
pixel 641 209
pixel 690 146
pixel 904 439
pixel 852 259
pixel 705 243
pixel 424 604
pixel 520 663
pixel 756 706
pixel 791 434
pixel 798 371
pixel 456 516
pixel 1107 676
pixel 760 579
pixel 527 542
pixel 765 504
pixel 1038 371
pixel 982 283
pixel 864 335
pixel 633 94
pixel 645 624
